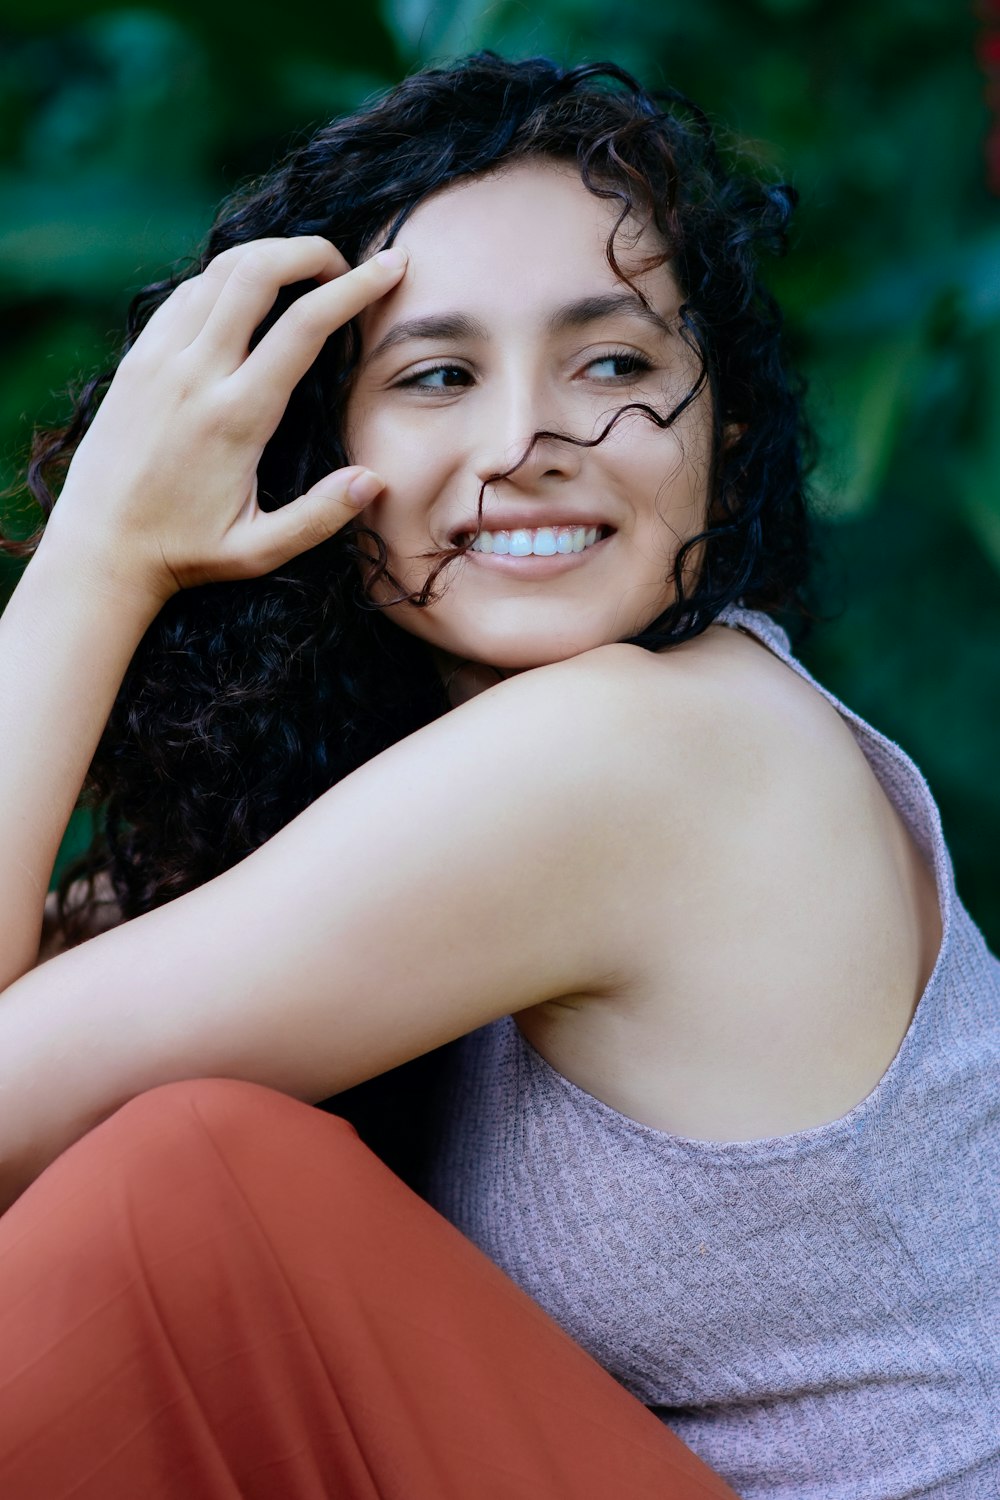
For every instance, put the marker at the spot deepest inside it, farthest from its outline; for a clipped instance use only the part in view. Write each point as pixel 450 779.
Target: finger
pixel 179 319
pixel 272 537
pixel 261 386
pixel 243 294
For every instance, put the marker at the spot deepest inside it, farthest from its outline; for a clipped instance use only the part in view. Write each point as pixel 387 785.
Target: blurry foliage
pixel 121 128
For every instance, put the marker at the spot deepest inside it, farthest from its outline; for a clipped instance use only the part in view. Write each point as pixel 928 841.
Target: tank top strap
pixel 756 622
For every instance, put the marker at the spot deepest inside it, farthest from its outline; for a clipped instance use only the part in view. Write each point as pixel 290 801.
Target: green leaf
pixel 863 401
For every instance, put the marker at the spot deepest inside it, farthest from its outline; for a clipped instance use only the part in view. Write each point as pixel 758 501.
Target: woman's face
pixel 507 321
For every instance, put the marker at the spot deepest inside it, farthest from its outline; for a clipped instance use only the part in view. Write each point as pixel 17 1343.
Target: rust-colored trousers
pixel 221 1292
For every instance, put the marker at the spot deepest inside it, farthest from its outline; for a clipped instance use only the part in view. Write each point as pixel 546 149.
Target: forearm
pixel 66 640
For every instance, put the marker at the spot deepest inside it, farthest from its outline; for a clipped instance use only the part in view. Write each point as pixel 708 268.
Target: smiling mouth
pixel 536 541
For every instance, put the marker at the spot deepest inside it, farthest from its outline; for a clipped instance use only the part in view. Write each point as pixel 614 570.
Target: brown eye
pixel 625 363
pixel 438 378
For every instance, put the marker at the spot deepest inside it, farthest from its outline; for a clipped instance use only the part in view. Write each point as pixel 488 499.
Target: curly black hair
pixel 246 700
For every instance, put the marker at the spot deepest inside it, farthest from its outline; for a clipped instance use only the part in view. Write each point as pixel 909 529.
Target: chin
pixel 507 638
pixel 524 652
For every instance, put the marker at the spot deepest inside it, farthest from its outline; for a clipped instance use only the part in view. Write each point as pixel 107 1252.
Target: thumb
pixel 314 517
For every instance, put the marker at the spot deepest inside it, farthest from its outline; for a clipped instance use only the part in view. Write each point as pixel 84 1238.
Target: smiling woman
pixel 449 403
pixel 405 608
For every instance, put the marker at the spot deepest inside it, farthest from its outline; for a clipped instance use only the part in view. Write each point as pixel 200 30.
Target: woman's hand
pixel 162 491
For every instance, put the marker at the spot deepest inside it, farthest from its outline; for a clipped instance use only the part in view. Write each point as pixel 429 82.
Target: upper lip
pixel 556 518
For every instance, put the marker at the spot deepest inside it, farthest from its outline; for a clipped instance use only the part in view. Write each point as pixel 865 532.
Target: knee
pixel 221 1117
pixel 187 1181
pixel 228 1103
pixel 196 1152
pixel 179 1133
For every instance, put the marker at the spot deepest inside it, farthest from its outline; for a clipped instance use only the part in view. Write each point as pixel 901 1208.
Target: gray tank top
pixel 816 1314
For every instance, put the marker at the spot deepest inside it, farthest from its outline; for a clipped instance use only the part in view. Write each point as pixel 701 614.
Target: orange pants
pixel 221 1292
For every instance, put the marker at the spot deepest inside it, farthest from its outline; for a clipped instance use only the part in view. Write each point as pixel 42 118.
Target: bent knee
pixel 217 1099
pixel 174 1132
pixel 195 1114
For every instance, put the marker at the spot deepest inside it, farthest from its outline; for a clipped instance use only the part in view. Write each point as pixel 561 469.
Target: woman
pixel 473 396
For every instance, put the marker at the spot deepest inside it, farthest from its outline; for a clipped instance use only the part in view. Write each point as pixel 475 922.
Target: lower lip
pixel 535 567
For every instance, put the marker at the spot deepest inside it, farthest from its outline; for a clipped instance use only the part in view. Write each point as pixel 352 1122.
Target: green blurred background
pixel 120 128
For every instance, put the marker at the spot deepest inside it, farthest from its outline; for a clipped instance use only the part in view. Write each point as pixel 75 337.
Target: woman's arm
pixel 483 865
pixel 66 639
pixel 160 494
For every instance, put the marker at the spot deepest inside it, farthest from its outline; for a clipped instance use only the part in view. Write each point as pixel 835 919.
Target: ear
pixel 732 431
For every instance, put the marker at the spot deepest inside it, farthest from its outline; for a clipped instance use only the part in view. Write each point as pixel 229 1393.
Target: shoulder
pixel 613 707
pixel 690 765
pixel 718 708
pixel 718 752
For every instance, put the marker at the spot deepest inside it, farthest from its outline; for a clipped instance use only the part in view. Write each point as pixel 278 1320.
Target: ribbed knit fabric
pixel 816 1314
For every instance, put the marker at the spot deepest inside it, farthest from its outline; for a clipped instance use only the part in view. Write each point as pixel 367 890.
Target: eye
pixel 620 364
pixel 436 378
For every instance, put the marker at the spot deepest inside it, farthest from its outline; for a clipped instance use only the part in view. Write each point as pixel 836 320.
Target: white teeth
pixel 543 541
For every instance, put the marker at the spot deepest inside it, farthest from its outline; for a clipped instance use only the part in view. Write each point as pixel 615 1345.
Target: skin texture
pixel 438 415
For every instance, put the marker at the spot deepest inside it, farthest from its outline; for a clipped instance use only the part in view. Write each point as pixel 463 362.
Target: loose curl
pixel 245 701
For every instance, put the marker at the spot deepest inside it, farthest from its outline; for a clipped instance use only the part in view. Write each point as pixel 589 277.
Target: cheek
pixel 656 469
pixel 411 465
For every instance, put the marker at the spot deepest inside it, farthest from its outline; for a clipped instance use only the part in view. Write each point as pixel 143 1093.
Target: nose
pixel 511 417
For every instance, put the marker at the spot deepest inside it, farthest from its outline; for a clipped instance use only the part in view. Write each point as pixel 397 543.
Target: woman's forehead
pixel 524 241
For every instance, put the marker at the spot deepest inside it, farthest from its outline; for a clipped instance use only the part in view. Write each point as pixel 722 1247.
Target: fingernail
pixel 392 259
pixel 364 487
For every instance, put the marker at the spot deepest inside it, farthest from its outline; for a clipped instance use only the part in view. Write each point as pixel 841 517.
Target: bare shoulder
pixel 787 926
pixel 720 711
pixel 651 710
pixel 777 787
pixel 716 750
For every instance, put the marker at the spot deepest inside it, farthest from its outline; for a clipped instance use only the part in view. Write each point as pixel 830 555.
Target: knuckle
pixel 300 316
pixel 259 264
pixel 227 418
pixel 137 358
pixel 175 299
pixel 186 377
pixel 183 292
pixel 309 243
pixel 219 267
pixel 143 365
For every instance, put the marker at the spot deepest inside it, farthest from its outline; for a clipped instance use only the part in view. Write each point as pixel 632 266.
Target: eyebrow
pixel 572 315
pixel 592 309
